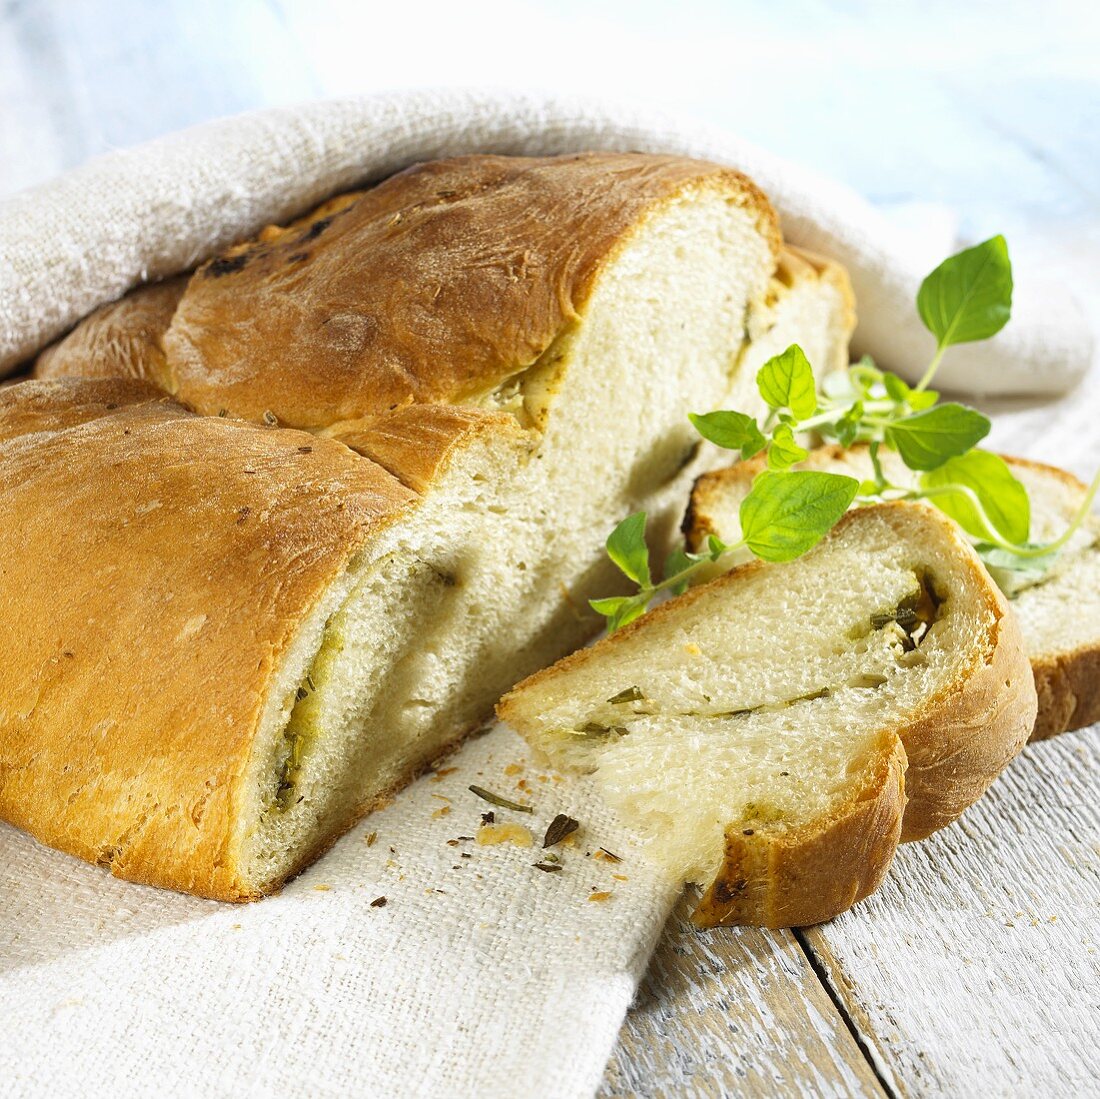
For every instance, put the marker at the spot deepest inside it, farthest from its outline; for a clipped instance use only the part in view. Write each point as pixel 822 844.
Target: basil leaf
pixel 730 430
pixel 1003 498
pixel 969 296
pixel 1011 572
pixel 920 399
pixel 675 564
pixel 786 514
pixel 611 605
pixel 787 381
pixel 626 546
pixel 618 609
pixel 896 388
pixel 927 439
pixel 784 451
pixel 1000 558
pixel 847 427
pixel 716 546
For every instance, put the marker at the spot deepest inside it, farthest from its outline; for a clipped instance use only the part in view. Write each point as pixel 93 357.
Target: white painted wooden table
pixel 975 970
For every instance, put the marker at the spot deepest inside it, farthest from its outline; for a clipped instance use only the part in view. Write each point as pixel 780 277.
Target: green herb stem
pixel 694 567
pixel 933 366
pixel 863 376
pixel 991 531
pixel 876 465
pixel 1080 517
pixel 829 416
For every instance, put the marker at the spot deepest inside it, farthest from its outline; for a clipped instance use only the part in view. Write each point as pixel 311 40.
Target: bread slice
pixel 774 733
pixel 461 378
pixel 1059 611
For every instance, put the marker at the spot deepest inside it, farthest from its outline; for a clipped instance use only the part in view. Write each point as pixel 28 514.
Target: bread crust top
pixel 432 287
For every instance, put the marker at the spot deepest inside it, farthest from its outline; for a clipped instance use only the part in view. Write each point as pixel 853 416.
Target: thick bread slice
pixel 512 470
pixel 1059 614
pixel 765 730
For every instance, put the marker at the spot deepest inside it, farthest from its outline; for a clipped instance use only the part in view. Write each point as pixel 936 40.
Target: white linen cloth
pixel 144 213
pixel 479 976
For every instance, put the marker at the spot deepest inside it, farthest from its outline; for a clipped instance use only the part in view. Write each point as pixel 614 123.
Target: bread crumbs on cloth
pixel 489 835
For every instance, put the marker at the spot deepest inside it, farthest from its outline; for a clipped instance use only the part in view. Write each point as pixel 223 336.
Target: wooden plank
pixel 734 1011
pixel 975 970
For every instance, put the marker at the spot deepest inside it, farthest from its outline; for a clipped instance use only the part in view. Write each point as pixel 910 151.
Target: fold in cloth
pixel 158 209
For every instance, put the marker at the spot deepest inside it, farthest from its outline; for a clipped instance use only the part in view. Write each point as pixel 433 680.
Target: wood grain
pixel 975 970
pixel 734 1011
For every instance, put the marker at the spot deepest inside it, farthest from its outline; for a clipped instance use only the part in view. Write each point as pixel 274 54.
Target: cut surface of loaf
pixel 1059 611
pixel 506 349
pixel 764 731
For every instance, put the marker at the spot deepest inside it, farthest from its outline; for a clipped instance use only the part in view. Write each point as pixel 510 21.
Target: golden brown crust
pixel 1067 683
pixel 123 339
pixel 362 321
pixel 203 543
pixel 1069 691
pixel 415 442
pixel 802 876
pixel 432 287
pixel 963 739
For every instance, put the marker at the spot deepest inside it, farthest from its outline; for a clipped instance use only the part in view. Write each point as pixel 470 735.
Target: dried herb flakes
pixel 560 827
pixel 496 799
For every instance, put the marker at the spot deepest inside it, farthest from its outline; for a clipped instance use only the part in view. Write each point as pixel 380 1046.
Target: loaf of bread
pixel 774 733
pixel 278 533
pixel 1059 610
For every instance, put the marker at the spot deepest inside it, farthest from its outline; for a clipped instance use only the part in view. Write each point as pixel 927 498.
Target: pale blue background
pixel 990 108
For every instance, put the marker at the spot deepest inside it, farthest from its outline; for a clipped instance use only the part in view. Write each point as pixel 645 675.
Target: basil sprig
pixel 787 512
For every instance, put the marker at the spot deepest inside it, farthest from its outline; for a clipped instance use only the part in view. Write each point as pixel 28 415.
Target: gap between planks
pixel 735 1011
pixel 975 970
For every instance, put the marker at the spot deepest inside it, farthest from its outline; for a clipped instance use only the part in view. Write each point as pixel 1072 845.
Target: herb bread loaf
pixel 1059 609
pixel 280 532
pixel 775 732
